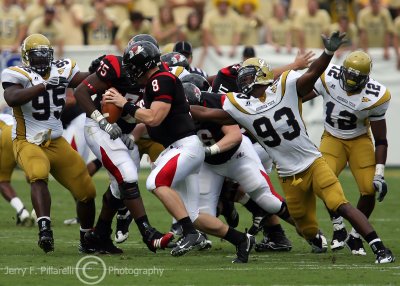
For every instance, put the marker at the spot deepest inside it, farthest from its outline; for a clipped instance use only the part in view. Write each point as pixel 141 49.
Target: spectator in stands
pixel 136 24
pixel 164 28
pixel 376 27
pixel 345 26
pixel 182 8
pixel 35 10
pixel 185 48
pixel 149 8
pixel 49 27
pixel 70 15
pixel 99 31
pixel 12 26
pixel 342 8
pixel 222 26
pixel 252 23
pixel 118 10
pixel 396 41
pixel 192 32
pixel 279 29
pixel 310 24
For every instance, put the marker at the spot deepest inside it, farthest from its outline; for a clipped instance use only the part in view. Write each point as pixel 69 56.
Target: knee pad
pixel 129 191
pixel 112 202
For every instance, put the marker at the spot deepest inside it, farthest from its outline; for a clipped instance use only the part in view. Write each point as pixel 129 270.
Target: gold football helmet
pixel 254 71
pixel 37 53
pixel 354 73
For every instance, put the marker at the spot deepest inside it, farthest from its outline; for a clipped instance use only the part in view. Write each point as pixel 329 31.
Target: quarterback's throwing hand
pixel 380 187
pixel 55 82
pixel 112 129
pixel 333 43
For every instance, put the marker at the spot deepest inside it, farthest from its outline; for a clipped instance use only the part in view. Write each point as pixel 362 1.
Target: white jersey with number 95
pixel 39 118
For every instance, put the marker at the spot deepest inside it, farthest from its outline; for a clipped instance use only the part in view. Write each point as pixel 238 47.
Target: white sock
pixel 17 204
pixel 84 229
pixel 354 233
pixel 338 220
pixel 43 217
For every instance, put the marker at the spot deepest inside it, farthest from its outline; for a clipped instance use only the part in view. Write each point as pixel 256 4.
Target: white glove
pixel 55 82
pixel 128 140
pixel 380 187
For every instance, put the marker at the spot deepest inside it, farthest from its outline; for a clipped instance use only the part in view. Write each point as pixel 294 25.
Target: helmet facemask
pixel 247 78
pixel 351 79
pixel 40 59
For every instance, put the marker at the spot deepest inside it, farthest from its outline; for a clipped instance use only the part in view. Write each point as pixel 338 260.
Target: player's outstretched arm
pixel 201 113
pixel 305 83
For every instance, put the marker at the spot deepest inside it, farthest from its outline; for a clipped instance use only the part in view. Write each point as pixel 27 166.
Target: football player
pixel 169 122
pixel 353 102
pixel 229 154
pixel 36 92
pixel 7 165
pixel 270 111
pixel 116 154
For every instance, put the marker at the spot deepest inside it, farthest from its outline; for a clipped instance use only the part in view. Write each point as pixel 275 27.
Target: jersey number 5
pixel 264 128
pixel 41 104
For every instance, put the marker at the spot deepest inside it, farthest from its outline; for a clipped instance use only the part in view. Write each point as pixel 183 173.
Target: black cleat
pixel 122 230
pixel 103 245
pixel 339 237
pixel 258 223
pixel 384 256
pixel 46 241
pixel 176 229
pixel 244 248
pixel 319 243
pixel 187 243
pixel 156 240
pixel 86 247
pixel 355 245
pixel 274 241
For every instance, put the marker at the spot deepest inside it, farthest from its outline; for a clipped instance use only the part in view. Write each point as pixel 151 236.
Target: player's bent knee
pixel 333 197
pixel 129 191
pixel 110 201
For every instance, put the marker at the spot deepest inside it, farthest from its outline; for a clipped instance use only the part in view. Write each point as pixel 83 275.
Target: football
pixel 111 111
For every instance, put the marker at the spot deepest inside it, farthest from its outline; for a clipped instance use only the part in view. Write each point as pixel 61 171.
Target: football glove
pixel 56 82
pixel 112 129
pixel 95 64
pixel 380 187
pixel 333 42
pixel 128 140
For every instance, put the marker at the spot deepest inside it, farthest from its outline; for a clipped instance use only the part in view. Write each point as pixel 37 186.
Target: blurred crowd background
pixel 211 24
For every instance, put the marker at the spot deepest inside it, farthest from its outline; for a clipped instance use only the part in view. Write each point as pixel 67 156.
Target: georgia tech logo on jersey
pixel 365 99
pixel 60 71
pixel 135 51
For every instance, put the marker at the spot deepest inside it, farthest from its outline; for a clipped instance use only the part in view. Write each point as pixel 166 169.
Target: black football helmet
pixel 197 80
pixel 139 57
pixel 192 92
pixel 175 59
pixel 144 37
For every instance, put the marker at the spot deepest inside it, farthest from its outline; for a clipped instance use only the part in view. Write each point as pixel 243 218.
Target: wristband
pixel 130 108
pixel 97 116
pixel 214 149
pixel 380 169
pixel 329 53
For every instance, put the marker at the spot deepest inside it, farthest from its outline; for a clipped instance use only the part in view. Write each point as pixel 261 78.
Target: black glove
pixel 128 140
pixel 112 129
pixel 333 43
pixel 56 82
pixel 380 187
pixel 95 64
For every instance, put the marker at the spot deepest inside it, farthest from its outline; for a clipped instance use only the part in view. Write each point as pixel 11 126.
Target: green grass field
pixel 23 263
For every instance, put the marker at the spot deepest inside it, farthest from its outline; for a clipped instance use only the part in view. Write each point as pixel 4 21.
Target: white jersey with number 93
pixel 276 123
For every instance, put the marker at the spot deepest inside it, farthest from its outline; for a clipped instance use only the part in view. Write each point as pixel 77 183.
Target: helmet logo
pixel 176 59
pixel 135 51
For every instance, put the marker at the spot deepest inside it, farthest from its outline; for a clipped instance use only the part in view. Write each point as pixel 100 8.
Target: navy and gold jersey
pixel 210 132
pixel 164 86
